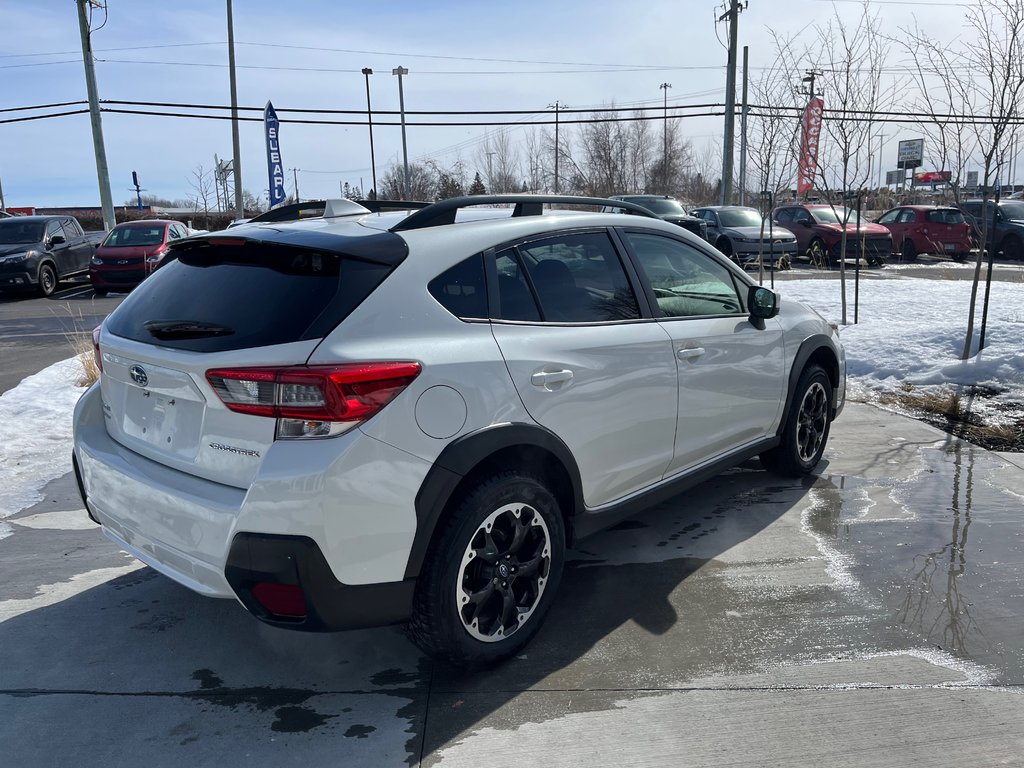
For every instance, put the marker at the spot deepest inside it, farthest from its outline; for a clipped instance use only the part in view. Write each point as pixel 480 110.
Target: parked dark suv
pixel 667 208
pixel 1009 229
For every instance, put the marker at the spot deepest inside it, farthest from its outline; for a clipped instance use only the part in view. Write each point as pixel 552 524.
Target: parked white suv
pixel 372 418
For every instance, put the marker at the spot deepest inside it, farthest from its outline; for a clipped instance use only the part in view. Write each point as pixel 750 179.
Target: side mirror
pixel 762 302
pixel 57 240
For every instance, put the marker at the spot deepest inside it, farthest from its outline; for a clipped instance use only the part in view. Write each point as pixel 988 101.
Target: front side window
pixel 686 282
pixel 888 218
pixel 908 216
pixel 578 278
pixel 53 228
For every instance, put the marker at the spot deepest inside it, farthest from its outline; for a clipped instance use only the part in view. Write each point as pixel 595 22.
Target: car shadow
pixel 642 606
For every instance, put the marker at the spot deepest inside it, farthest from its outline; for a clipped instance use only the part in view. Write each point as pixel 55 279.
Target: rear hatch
pixel 263 299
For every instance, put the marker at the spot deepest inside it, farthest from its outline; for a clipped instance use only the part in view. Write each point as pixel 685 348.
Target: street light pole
pixel 556 106
pixel 102 174
pixel 236 159
pixel 664 160
pixel 369 121
pixel 401 71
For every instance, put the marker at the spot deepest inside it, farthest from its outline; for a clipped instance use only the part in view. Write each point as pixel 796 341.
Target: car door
pixel 907 230
pixel 713 229
pixel 731 373
pixel 584 363
pixel 79 250
pixel 57 247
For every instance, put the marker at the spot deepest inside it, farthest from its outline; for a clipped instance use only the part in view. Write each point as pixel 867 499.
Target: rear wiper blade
pixel 185 329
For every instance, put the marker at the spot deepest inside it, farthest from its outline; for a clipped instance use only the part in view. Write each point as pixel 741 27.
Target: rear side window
pixel 216 298
pixel 945 216
pixel 462 290
pixel 515 300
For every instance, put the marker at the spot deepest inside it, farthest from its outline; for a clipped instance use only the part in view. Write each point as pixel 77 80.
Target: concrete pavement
pixel 871 615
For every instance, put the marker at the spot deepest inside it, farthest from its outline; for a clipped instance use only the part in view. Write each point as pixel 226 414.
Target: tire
pixel 100 293
pixel 960 258
pixel 47 279
pixel 480 553
pixel 909 251
pixel 817 254
pixel 1011 248
pixel 805 432
pixel 725 246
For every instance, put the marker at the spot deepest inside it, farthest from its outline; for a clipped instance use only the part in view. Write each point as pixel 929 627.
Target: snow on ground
pixel 909 331
pixel 912 331
pixel 35 435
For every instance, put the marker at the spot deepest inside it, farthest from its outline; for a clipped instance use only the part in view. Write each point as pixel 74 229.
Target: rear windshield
pixel 945 216
pixel 128 237
pixel 216 298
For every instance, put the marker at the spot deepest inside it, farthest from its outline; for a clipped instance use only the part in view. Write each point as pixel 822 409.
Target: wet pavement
pixel 872 615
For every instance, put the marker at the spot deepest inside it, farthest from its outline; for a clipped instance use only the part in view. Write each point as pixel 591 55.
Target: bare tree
pixel 852 59
pixel 500 156
pixel 537 159
pixel 202 185
pixel 422 182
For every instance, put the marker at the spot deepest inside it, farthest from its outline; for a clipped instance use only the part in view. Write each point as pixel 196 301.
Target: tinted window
pixel 71 229
pixel 515 301
pixel 784 214
pixel 945 216
pixel 462 290
pixel 686 282
pixel 888 217
pixel 54 228
pixel 13 231
pixel 578 278
pixel 259 295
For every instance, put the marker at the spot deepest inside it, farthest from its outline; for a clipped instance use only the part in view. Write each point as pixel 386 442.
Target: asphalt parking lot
pixel 872 615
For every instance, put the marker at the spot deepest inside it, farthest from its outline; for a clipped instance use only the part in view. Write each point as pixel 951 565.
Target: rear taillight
pixel 313 401
pixel 96 348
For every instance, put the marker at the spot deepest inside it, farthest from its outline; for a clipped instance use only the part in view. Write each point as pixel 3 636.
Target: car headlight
pixel 13 258
pixel 96 261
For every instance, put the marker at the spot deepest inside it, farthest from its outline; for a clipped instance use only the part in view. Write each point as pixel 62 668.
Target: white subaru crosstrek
pixel 371 418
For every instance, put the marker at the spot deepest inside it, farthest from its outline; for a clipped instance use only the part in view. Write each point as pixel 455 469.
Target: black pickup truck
pixel 37 252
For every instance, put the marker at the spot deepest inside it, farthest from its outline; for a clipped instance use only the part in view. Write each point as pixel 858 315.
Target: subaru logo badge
pixel 138 374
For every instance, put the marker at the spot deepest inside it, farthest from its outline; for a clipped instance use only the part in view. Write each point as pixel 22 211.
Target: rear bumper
pixel 329 605
pixel 358 524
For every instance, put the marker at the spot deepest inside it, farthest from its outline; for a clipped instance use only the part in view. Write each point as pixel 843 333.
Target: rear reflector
pixel 97 356
pixel 284 600
pixel 348 393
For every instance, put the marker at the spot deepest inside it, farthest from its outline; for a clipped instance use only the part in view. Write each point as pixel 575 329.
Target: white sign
pixel 910 153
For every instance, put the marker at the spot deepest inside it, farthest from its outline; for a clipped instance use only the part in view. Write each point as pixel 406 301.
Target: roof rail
pixel 378 206
pixel 444 212
pixel 311 209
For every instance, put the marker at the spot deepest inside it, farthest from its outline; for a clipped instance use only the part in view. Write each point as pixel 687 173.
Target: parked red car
pixel 928 229
pixel 819 232
pixel 130 252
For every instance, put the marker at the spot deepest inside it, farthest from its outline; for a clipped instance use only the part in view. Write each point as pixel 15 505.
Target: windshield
pixel 1013 210
pixel 945 216
pixel 13 231
pixel 659 205
pixel 828 216
pixel 128 237
pixel 743 217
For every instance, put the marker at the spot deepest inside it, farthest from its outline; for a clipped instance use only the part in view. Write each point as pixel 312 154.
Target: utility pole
pixel 402 71
pixel 743 129
pixel 490 173
pixel 664 161
pixel 3 205
pixel 369 121
pixel 102 174
pixel 556 107
pixel 236 160
pixel 732 17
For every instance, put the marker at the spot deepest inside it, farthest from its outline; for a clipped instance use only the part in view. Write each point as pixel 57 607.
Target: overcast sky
pixel 461 55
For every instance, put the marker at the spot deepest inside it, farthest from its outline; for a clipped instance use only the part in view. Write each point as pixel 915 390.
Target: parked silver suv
pixel 367 418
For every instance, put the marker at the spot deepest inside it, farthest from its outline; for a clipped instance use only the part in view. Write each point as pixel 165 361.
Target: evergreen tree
pixel 477 187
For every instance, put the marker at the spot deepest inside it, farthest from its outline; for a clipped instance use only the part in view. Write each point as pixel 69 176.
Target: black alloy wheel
pixel 805 432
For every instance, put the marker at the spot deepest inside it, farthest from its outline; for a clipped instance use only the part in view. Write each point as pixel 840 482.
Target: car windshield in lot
pixel 129 237
pixel 945 216
pixel 746 217
pixel 1013 211
pixel 659 205
pixel 829 216
pixel 13 232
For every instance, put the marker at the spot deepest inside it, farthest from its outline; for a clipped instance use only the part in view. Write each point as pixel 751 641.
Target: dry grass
pixel 81 344
pixel 950 410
